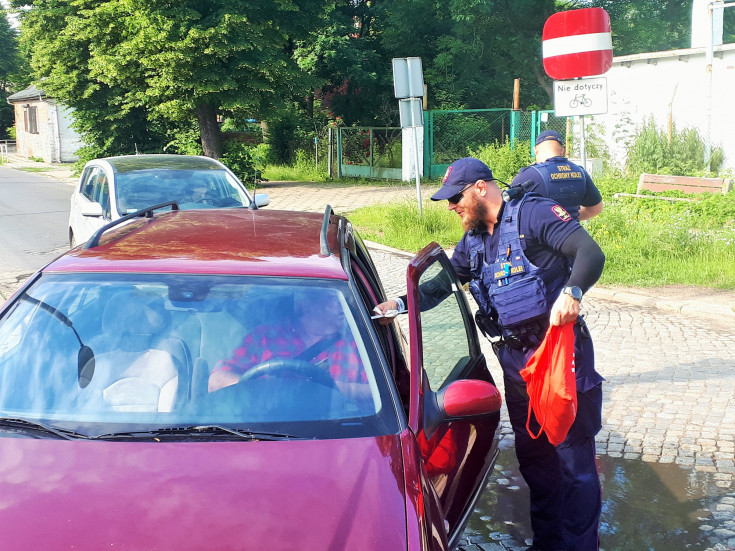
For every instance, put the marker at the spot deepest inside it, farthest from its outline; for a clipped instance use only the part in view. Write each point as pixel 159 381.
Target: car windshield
pixel 110 354
pixel 191 188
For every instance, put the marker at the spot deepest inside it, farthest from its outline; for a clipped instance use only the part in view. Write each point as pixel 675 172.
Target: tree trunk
pixel 209 130
pixel 310 105
pixel 544 83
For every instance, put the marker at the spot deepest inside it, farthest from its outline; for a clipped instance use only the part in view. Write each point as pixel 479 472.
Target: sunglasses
pixel 457 197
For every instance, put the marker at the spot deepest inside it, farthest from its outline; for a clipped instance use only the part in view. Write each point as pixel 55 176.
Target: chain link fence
pixel 376 152
pixel 370 152
pixel 451 134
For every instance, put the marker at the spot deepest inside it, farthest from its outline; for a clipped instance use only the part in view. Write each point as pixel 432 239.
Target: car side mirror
pixel 262 199
pixel 463 399
pixel 91 208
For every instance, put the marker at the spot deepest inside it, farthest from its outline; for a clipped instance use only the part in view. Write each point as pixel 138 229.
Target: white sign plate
pixel 584 96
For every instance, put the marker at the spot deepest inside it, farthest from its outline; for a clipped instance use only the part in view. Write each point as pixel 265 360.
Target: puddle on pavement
pixel 646 506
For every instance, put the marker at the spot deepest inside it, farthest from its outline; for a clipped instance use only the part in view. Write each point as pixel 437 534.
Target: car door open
pixel 454 405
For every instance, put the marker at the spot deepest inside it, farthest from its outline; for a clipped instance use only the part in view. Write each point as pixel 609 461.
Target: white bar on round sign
pixel 576 44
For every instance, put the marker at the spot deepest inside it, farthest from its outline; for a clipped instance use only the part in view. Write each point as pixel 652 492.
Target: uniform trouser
pixel 566 498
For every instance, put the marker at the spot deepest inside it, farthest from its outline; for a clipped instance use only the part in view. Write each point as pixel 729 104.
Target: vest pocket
pixel 520 302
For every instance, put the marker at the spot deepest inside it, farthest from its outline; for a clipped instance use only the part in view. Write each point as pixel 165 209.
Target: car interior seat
pixel 140 367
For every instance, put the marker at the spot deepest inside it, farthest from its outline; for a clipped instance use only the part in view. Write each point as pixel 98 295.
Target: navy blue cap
pixel 461 173
pixel 549 135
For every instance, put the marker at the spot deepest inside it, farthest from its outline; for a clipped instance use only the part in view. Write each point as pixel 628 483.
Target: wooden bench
pixel 686 184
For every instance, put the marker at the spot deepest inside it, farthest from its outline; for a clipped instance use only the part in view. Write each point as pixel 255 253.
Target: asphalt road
pixel 34 211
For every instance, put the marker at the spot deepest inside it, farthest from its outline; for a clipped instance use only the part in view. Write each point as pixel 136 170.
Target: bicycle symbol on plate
pixel 580 99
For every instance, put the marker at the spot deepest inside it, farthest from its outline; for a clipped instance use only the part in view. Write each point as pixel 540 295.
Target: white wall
pixel 673 82
pixel 70 141
pixel 55 140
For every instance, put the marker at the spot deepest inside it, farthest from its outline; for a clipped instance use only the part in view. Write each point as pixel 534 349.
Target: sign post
pixel 408 86
pixel 576 44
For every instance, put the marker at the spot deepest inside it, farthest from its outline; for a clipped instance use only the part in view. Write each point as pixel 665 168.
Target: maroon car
pixel 214 380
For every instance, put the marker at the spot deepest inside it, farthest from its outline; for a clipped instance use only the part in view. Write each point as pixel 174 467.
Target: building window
pixel 30 119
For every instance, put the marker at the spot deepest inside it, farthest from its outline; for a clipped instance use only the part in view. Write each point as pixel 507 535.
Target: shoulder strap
pixel 317 348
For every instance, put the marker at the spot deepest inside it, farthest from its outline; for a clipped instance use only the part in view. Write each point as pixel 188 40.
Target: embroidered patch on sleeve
pixel 560 213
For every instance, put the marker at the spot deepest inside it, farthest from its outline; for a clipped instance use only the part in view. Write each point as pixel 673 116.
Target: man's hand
pixel 565 310
pixel 383 308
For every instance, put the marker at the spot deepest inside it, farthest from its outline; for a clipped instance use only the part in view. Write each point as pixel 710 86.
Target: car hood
pixel 316 494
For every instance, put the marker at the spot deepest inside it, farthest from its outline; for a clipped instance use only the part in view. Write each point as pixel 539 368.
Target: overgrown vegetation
pixel 647 242
pixel 681 152
pixel 504 159
pixel 303 169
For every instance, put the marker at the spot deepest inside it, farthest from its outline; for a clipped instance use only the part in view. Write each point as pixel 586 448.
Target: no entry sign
pixel 577 43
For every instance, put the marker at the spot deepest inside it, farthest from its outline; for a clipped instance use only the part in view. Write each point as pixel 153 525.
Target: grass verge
pixel 647 242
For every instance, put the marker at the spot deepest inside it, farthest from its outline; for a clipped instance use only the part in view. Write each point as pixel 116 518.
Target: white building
pixel 675 86
pixel 43 127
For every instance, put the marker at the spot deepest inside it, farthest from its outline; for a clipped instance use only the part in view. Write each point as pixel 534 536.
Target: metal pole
pixel 330 149
pixel 414 129
pixel 709 58
pixel 339 153
pixel 582 148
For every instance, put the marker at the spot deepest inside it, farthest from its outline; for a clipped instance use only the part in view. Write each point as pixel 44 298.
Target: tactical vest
pixel 565 184
pixel 515 293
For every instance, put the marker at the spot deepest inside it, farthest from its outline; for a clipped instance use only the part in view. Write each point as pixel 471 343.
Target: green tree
pixel 472 50
pixel 343 55
pixel 648 25
pixel 64 38
pixel 143 67
pixel 11 72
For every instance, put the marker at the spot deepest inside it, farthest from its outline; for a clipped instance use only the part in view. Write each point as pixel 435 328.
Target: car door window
pixel 103 195
pixel 445 329
pixel 88 183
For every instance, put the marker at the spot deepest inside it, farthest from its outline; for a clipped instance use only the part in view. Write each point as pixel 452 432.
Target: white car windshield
pixel 191 188
pixel 110 353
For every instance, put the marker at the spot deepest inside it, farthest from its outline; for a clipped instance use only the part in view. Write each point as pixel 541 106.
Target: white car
pixel 112 187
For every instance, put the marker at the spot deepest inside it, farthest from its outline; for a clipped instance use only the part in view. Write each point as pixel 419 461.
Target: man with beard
pixel 528 263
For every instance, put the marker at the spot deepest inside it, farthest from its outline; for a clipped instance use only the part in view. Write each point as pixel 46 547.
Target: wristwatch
pixel 573 291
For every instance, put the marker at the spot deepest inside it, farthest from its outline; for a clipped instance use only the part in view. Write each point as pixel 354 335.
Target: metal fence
pixel 376 152
pixel 451 135
pixel 6 147
pixel 370 152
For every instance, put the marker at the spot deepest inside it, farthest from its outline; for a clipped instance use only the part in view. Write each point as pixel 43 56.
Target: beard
pixel 475 217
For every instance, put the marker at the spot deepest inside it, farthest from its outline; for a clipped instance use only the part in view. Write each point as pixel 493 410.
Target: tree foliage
pixel 136 69
pixel 12 71
pixel 149 74
pixel 648 25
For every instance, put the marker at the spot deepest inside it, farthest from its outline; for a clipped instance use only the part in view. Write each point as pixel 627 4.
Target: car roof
pixel 229 241
pixel 130 163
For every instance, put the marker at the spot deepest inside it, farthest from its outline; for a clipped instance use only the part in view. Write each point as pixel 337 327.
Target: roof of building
pixel 30 93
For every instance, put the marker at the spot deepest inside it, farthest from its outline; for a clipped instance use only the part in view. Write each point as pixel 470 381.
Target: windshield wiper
pixel 34 426
pixel 194 431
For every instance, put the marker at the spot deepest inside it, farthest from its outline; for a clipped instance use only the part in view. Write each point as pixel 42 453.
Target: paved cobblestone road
pixel 669 395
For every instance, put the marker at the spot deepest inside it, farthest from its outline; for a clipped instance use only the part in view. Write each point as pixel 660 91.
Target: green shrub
pixel 238 157
pixel 287 133
pixel 185 142
pixel 302 169
pixel 505 161
pixel 683 153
